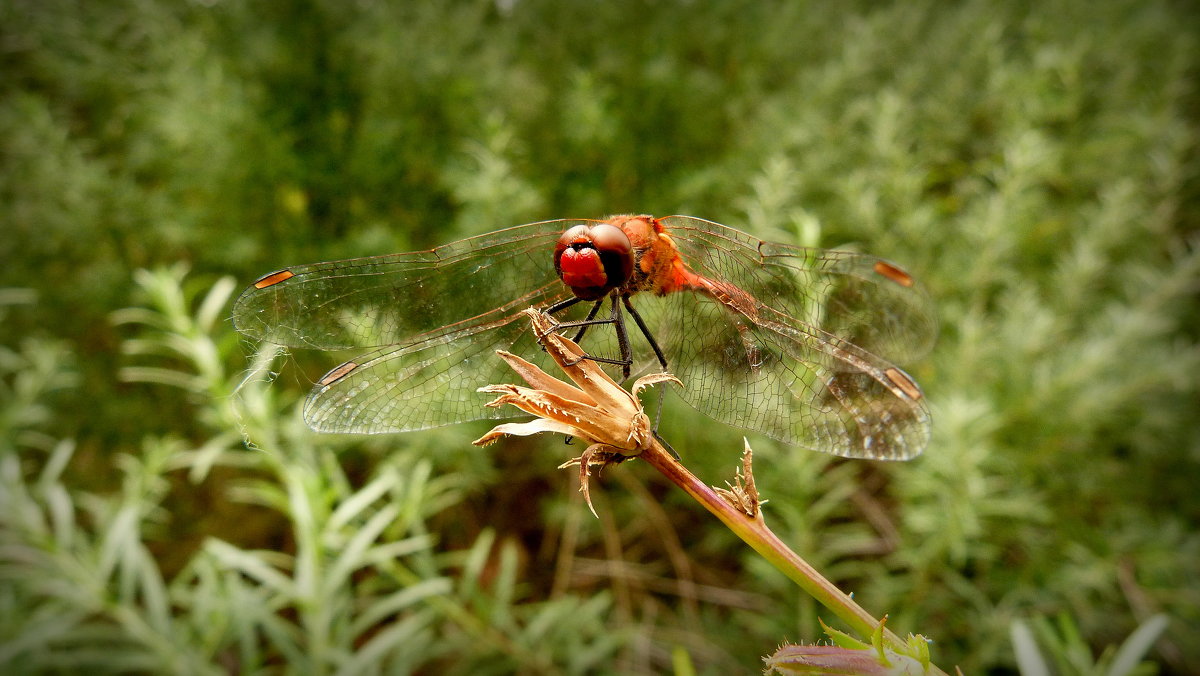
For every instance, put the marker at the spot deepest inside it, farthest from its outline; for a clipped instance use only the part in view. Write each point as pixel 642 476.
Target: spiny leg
pixel 590 321
pixel 618 321
pixel 591 316
pixel 562 305
pixel 583 325
pixel 662 360
pixel 626 360
pixel 623 335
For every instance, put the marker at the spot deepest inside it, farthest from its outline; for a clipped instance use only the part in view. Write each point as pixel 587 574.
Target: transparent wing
pixel 799 354
pixel 795 349
pixel 428 381
pixel 436 318
pixel 864 300
pixel 386 300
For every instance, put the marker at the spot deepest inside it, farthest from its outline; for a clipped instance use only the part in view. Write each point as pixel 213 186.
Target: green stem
pixel 754 532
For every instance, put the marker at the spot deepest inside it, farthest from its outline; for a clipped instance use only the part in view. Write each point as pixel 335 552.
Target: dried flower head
pixel 596 408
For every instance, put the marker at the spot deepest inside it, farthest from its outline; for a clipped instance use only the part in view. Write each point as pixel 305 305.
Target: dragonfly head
pixel 593 259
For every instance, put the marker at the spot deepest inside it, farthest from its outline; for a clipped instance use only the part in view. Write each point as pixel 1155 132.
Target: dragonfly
pixel 800 344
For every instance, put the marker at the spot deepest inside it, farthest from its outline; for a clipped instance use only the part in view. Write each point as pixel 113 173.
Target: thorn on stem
pixel 742 494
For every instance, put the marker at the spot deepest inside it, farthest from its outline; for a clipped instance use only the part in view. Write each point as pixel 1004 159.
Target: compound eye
pixel 593 259
pixel 615 250
pixel 609 239
pixel 576 235
pixel 574 239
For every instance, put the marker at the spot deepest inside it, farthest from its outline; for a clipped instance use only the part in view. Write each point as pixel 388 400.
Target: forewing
pixel 385 300
pixel 787 358
pixel 436 318
pixel 428 381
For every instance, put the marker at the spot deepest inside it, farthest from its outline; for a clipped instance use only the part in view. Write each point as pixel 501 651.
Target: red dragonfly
pixel 792 342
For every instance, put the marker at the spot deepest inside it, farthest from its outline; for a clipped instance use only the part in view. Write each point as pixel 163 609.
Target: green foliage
pixel 1036 164
pixel 359 588
pixel 1073 656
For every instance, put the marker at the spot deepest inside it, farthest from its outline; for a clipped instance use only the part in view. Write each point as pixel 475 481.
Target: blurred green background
pixel 1036 164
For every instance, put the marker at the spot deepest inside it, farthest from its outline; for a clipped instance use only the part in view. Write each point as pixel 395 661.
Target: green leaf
pixel 1029 658
pixel 1137 645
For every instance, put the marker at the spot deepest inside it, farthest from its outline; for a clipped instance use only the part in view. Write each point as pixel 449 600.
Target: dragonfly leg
pixel 658 436
pixel 555 309
pixel 623 335
pixel 626 360
pixel 617 320
pixel 662 360
pixel 562 305
pixel 591 316
pixel 585 323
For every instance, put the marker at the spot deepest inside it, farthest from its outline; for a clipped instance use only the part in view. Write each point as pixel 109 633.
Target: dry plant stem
pixel 754 532
pixel 597 409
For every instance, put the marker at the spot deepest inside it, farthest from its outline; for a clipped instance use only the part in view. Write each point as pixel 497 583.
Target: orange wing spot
pixel 337 374
pixel 273 279
pixel 893 273
pixel 904 382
